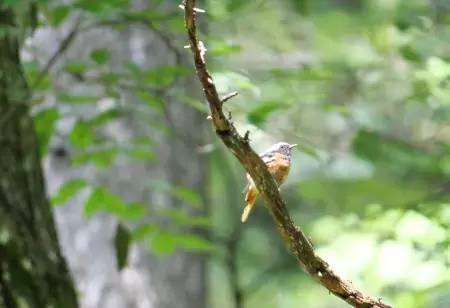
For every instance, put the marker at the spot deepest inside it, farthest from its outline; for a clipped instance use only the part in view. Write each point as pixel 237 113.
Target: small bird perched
pixel 278 161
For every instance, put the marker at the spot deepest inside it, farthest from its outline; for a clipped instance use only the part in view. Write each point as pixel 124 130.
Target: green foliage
pixel 122 241
pixel 181 218
pixel 165 243
pixel 144 231
pixel 161 76
pixel 150 99
pixel 100 56
pixel 82 135
pixel 219 48
pixel 400 156
pixel 100 158
pixel 77 99
pixel 76 67
pixel 57 15
pixel 191 242
pixel 44 123
pixel 187 195
pixel 259 115
pixel 68 190
pixel 436 76
pixel 364 87
pixel 142 153
pixel 32 73
pixel 102 6
pixel 102 200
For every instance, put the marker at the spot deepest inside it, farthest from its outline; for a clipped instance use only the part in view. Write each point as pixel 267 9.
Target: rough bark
pixel 32 269
pixel 294 237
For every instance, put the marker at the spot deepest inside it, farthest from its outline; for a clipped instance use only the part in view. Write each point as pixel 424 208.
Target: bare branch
pixel 294 237
pixel 247 136
pixel 229 96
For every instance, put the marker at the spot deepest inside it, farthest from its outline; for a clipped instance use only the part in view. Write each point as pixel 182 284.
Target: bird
pixel 278 161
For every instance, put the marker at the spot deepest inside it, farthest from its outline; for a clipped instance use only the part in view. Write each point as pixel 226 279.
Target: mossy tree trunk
pixel 33 272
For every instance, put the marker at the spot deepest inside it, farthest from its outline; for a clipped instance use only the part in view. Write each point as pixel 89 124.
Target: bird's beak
pixel 293 145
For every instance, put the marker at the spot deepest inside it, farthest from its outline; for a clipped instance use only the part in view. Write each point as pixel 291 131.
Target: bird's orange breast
pixel 279 167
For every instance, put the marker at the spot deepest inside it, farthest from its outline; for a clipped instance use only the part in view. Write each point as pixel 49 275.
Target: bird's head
pixel 283 148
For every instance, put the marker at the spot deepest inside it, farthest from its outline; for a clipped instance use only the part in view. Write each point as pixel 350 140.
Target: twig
pixel 229 96
pixel 59 52
pixel 127 18
pixel 296 240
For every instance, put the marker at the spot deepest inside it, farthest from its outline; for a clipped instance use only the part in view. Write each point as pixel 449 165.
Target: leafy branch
pixel 294 237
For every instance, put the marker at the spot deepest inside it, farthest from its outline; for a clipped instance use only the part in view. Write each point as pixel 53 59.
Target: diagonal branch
pixel 294 237
pixel 65 44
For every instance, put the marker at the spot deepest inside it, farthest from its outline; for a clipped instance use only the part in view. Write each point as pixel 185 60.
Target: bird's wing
pixel 267 157
pixel 249 183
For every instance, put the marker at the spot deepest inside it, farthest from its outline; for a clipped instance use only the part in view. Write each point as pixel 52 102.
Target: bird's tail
pixel 250 199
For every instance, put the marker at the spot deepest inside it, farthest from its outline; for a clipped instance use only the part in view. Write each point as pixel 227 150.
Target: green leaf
pixel 122 241
pixel 397 154
pixel 410 54
pixel 220 48
pixel 187 195
pixel 67 191
pixel 99 200
pixel 82 135
pixel 163 243
pixel 141 153
pixel 195 103
pixel 259 115
pixel 133 211
pixel 58 14
pixel 101 158
pixel 193 242
pixel 76 67
pixel 150 100
pixel 100 56
pixel 110 79
pixel 77 99
pixel 90 6
pixel 32 72
pixel 143 231
pixel 166 243
pixel 438 68
pixel 142 140
pixel 102 199
pixel 45 122
pixel 181 217
pixel 102 7
pixel 162 76
pixel 234 6
pixel 105 117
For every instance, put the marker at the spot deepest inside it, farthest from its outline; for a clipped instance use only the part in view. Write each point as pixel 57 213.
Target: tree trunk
pixel 32 269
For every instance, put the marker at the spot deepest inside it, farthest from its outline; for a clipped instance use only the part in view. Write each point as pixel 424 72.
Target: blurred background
pixel 147 200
